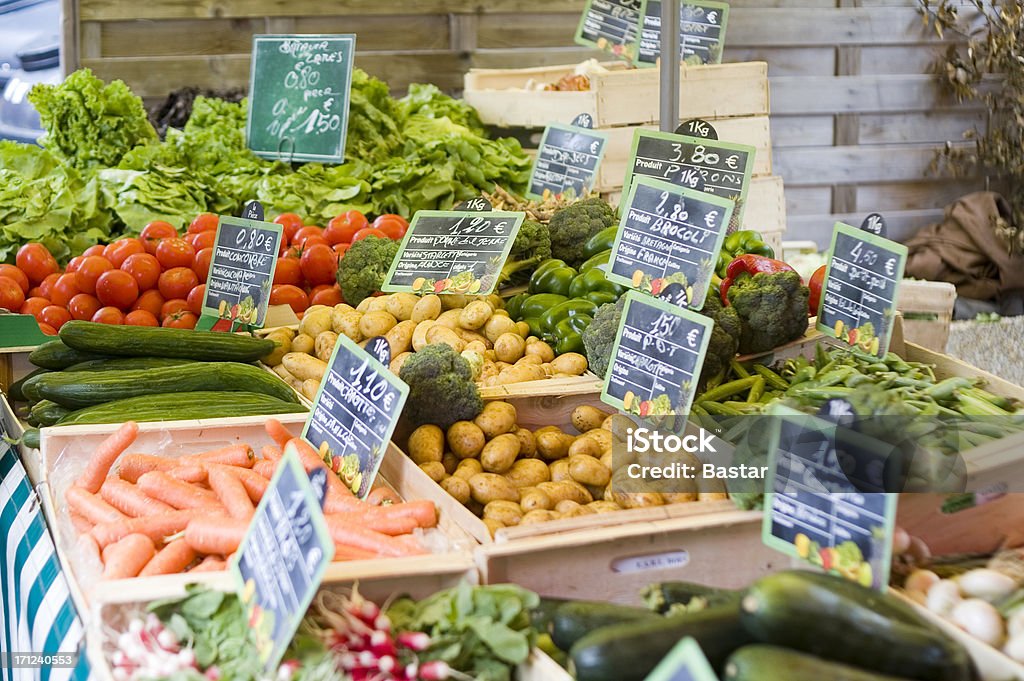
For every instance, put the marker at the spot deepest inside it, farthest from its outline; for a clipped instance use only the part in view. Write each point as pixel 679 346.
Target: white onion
pixel 921 581
pixel 943 597
pixel 979 619
pixel 986 584
pixel 1014 648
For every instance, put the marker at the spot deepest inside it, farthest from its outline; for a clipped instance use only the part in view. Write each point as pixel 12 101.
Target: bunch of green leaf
pixel 89 124
pixel 316 191
pixel 374 120
pixel 428 101
pixel 483 631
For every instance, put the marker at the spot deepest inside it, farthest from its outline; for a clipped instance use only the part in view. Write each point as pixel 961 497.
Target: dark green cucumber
pixel 182 406
pixel 572 621
pixel 56 355
pixel 122 363
pixel 541 616
pixel 629 651
pixel 661 596
pixel 47 413
pixel 78 389
pixel 822 617
pixel 145 341
pixel 30 387
pixel 770 663
pixel 31 438
pixel 16 392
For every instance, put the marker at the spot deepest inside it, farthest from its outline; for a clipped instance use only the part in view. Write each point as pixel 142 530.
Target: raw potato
pixel 521 373
pixel 401 305
pixel 527 443
pixel 585 446
pixel 498 325
pixel 471 337
pixel 508 513
pixel 467 468
pixel 553 445
pixel 637 499
pixel 566 505
pixel 488 487
pixel 499 454
pixel 449 318
pixel 498 417
pixel 509 347
pixel 560 470
pixel 679 497
pixel 539 516
pixel 535 500
pixel 572 363
pixel 587 470
pixel 302 366
pixel 535 347
pixel 426 444
pixel 566 489
pixel 457 487
pixel 451 462
pixel 282 346
pixel 476 346
pixel 399 338
pixel 376 323
pixel 442 334
pixel 364 305
pixel 397 362
pixel 586 418
pixel 492 525
pixel 604 506
pixel 419 334
pixel 325 343
pixel 427 307
pixel 465 439
pixel 315 322
pixel 303 344
pixel 475 315
pixel 377 304
pixel 529 359
pixel 346 323
pixel 524 329
pixel 434 469
pixel 309 389
pixel 528 473
pixel 602 436
pixel 454 301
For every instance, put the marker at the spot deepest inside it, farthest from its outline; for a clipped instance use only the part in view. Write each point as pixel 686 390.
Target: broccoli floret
pixel 725 337
pixel 772 308
pixel 362 270
pixel 531 247
pixel 599 336
pixel 441 387
pixel 572 226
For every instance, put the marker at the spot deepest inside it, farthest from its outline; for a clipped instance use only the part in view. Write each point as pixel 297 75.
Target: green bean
pixel 726 390
pixel 772 378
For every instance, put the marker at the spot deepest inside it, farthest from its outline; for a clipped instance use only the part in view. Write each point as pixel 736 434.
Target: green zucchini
pixel 47 413
pixel 121 363
pixel 181 406
pixel 145 341
pixel 769 663
pixel 16 392
pixel 78 389
pixel 541 616
pixel 629 651
pixel 661 596
pixel 55 355
pixel 828 619
pixel 572 621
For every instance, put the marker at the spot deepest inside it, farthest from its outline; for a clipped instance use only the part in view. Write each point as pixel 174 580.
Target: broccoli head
pixel 571 227
pixel 599 336
pixel 772 308
pixel 725 337
pixel 441 387
pixel 531 247
pixel 362 269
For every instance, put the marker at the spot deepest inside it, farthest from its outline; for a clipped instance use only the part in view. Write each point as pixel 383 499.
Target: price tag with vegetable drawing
pixel 242 271
pixel 567 160
pixel 685 662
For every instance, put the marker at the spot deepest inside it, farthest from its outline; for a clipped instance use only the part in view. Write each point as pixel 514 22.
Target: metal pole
pixel 669 65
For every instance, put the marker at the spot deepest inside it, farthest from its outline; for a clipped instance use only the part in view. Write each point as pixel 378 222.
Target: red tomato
pixel 328 295
pixel 108 315
pixel 172 307
pixel 202 240
pixel 64 289
pixel 204 222
pixel 140 318
pixel 180 320
pixel 286 294
pixel 119 251
pixel 117 288
pixel 390 217
pixel 369 231
pixel 11 295
pixel 177 282
pixel 74 263
pixel 83 306
pixel 34 306
pixel 340 249
pixel 291 224
pixel 319 264
pixel 36 262
pixel 144 268
pixel 155 232
pixel 293 252
pixel 306 232
pixel 47 284
pixel 288 271
pixel 392 225
pixel 16 275
pixel 175 253
pixel 47 329
pixel 34 292
pixel 94 250
pixel 151 301
pixel 90 270
pixel 341 228
pixel 201 264
pixel 195 299
pixel 55 315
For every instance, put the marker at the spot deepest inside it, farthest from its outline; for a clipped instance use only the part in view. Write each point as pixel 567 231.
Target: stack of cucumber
pixel 794 625
pixel 99 373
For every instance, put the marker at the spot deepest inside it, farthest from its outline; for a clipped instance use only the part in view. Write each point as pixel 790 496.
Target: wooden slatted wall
pixel 856 118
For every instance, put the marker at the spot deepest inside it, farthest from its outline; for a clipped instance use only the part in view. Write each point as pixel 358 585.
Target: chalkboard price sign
pixel 701 32
pixel 282 559
pixel 669 236
pixel 861 283
pixel 299 96
pixel 567 159
pixel 685 662
pixel 453 252
pixel 698 127
pixel 242 270
pixel 657 357
pixel 875 224
pixel 612 26
pixel 707 165
pixel 355 412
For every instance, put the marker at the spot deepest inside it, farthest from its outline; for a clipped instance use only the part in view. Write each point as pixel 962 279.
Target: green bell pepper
pixel 741 242
pixel 593 280
pixel 570 308
pixel 599 298
pixel 568 339
pixel 515 304
pixel 535 326
pixel 538 304
pixel 580 322
pixel 552 278
pixel 602 258
pixel 602 241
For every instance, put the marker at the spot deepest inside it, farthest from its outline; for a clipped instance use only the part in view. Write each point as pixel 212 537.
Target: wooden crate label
pixel 701 33
pixel 612 26
pixel 667 560
pixel 567 159
pixel 242 270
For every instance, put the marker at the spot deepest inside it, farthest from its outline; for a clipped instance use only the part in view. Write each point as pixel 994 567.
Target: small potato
pixel 585 446
pixel 607 459
pixel 282 346
pixel 547 429
pixel 476 346
pixel 442 334
pixel 527 443
pixel 509 347
pixel 560 470
pixel 450 462
pixel 399 337
pixel 343 307
pixel 434 469
pixel 364 305
pixel 315 322
pixel 498 325
pixel 324 345
pixel 492 525
pixel 283 331
pixel 475 315
pixel 457 487
pixel 494 300
pixel 681 497
pixel 553 445
pixel 454 301
pixel 535 500
pixel 346 323
pixel 398 361
pixel 426 444
pixel 523 328
pixel 521 373
pixel 466 439
pixel 450 318
pixel 528 473
pixel 499 454
pixel 310 387
pixel 471 337
pixel 497 418
pixel 603 438
pixel 604 506
pixel 587 470
pixel 304 344
pixel 539 349
pixel 539 516
pixel 566 505
pixel 467 468
pixel 586 417
pixel 488 487
pixel 376 323
pixel 572 363
pixel 508 512
pixel 281 371
pixel 489 355
pixel 401 305
pixel 529 359
pixel 427 307
pixel 566 489
pixel 573 510
pixel 377 304
pixel 304 367
pixel 419 334
pixel 636 499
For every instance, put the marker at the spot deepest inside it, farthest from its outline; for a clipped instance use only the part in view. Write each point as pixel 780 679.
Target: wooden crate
pixel 623 96
pixel 14 365
pixel 927 298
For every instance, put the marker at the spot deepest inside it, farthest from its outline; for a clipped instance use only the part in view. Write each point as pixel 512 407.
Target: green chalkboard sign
pixel 299 95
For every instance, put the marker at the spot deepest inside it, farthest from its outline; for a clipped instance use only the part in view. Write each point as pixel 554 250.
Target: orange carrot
pixel 231 492
pixel 379 495
pixel 359 537
pixel 215 535
pixel 90 506
pixel 337 493
pixel 342 553
pixel 390 525
pixel 105 455
pixel 271 453
pixel 265 468
pixel 178 494
pixel 232 455
pixel 89 549
pixel 80 523
pixel 171 559
pixel 127 557
pixel 134 466
pixel 188 472
pixel 277 432
pixel 130 500
pixel 392 519
pixel 254 483
pixel 156 527
pixel 210 564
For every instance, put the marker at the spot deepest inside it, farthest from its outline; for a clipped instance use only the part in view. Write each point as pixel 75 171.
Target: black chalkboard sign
pixel 567 159
pixel 861 283
pixel 701 32
pixel 669 236
pixel 453 252
pixel 299 96
pixel 697 127
pixel 253 210
pixel 379 349
pixel 657 357
pixel 242 270
pixel 712 166
pixel 875 224
pixel 612 26
pixel 355 412
pixel 281 562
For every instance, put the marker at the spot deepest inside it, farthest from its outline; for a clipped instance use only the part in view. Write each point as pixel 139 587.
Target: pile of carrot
pixel 151 515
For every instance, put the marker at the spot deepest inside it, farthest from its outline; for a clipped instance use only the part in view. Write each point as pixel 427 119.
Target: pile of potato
pixel 509 475
pixel 500 350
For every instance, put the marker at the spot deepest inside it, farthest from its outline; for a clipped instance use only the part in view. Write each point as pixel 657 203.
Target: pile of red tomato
pixel 159 278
